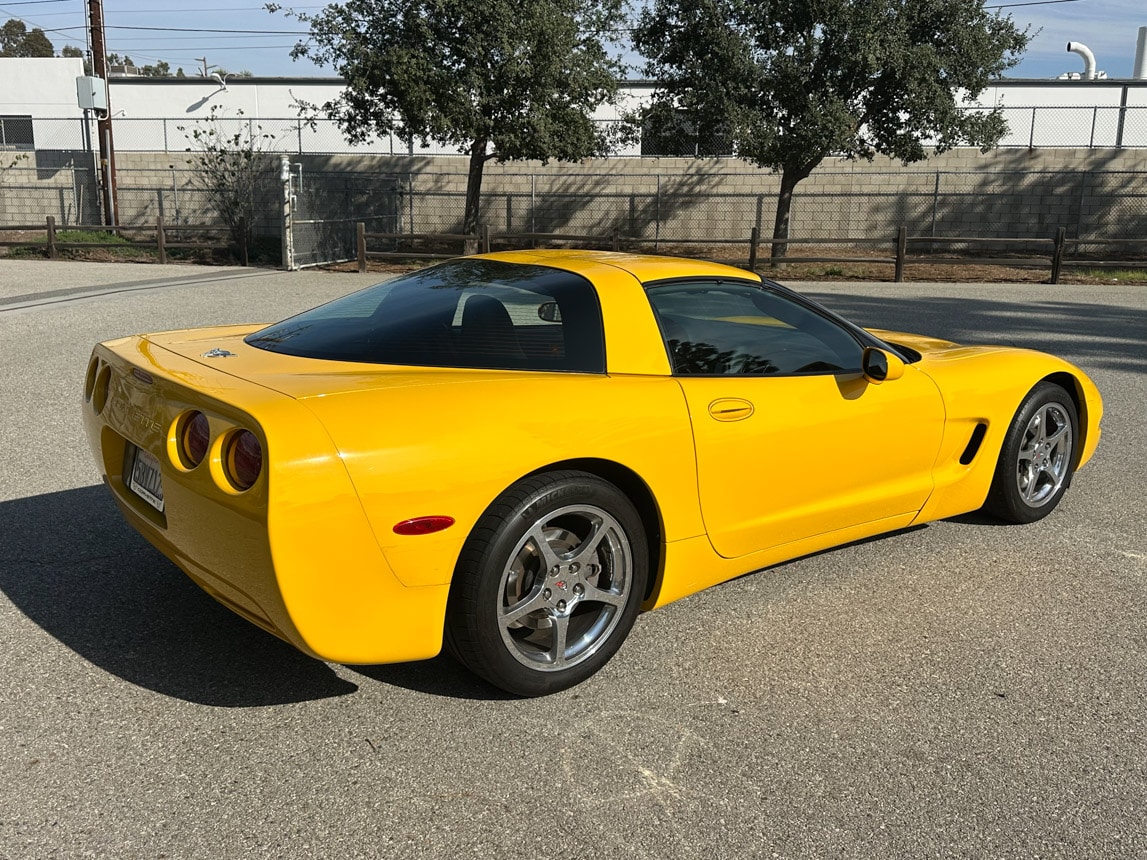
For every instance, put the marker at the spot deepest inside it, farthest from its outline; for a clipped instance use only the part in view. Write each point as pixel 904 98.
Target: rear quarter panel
pixel 295 553
pixel 453 449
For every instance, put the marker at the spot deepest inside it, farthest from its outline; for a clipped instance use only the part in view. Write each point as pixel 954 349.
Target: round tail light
pixel 194 439
pixel 90 379
pixel 243 459
pixel 100 389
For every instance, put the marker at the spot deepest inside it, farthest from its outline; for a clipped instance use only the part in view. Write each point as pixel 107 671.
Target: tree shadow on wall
pixel 73 567
pixel 637 208
pixel 1014 200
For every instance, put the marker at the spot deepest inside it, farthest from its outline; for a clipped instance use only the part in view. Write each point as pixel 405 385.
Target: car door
pixel 792 440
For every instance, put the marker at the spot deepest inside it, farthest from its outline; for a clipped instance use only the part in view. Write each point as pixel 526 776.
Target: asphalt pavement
pixel 961 689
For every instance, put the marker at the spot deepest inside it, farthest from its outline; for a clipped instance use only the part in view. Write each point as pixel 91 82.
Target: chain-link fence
pixel 648 207
pixel 1041 126
pixel 326 206
pixel 643 208
pixel 713 207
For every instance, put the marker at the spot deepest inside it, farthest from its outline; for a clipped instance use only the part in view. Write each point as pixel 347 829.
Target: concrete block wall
pixel 36 185
pixel 1007 192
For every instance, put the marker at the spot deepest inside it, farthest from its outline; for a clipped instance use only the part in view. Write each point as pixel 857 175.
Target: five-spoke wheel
pixel 1037 457
pixel 549 583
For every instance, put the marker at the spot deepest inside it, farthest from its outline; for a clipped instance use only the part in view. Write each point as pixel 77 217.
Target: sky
pixel 183 33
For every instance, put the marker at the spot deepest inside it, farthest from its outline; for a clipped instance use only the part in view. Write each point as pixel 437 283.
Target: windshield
pixel 463 313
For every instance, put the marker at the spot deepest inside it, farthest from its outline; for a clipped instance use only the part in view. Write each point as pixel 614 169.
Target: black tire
pixel 1037 457
pixel 548 583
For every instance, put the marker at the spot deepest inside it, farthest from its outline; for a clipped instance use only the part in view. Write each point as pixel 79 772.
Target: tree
pixel 73 51
pixel 501 79
pixel 231 167
pixel 790 82
pixel 17 41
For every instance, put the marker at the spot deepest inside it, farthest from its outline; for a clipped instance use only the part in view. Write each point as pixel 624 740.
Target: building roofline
pixel 642 83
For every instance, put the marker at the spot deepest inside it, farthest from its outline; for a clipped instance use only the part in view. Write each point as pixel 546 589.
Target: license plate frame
pixel 146 478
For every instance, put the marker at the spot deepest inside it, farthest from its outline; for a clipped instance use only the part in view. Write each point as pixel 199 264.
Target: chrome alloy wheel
pixel 1044 455
pixel 565 587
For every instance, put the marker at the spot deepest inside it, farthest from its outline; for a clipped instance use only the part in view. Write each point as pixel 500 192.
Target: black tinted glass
pixel 721 328
pixel 463 313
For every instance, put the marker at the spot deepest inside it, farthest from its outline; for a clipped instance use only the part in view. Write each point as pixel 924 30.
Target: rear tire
pixel 1037 457
pixel 548 584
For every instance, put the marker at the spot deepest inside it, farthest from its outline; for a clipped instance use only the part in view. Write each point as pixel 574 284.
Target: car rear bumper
pixel 294 554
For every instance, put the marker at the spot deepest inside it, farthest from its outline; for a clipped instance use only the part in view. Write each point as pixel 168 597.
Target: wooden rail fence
pixel 1049 252
pixel 160 237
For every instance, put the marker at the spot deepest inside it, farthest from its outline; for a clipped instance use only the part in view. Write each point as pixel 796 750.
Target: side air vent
pixel 973 444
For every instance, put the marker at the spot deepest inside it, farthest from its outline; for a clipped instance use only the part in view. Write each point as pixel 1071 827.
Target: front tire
pixel 1037 458
pixel 548 584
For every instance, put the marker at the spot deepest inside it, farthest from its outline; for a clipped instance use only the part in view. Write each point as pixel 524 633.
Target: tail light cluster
pixel 240 453
pixel 234 454
pixel 96 384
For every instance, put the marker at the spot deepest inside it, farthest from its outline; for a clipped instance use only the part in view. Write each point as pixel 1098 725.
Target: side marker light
pixel 423 525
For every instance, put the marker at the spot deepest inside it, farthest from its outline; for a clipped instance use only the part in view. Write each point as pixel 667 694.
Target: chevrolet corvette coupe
pixel 510 455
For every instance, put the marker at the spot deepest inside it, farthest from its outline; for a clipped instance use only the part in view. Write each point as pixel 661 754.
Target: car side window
pixel 720 328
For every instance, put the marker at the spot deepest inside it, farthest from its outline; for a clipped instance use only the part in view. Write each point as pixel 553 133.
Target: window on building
pixel 16 132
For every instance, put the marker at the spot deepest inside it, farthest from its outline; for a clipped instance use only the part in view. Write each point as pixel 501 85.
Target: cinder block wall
pixel 1007 192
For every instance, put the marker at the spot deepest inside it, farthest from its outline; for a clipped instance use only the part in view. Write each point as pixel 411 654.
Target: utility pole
pixel 104 123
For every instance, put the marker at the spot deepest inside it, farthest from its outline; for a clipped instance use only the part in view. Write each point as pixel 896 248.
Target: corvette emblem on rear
pixel 218 353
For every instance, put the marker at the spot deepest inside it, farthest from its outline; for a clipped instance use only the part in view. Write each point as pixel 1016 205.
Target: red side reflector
pixel 423 525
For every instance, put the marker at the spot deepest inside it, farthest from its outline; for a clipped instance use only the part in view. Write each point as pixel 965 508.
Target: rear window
pixel 463 313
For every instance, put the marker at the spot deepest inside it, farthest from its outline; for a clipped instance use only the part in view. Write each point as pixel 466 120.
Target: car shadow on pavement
pixel 443 676
pixel 71 565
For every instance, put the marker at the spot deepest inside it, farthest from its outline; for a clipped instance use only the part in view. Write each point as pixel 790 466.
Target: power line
pixel 198 30
pixel 1031 3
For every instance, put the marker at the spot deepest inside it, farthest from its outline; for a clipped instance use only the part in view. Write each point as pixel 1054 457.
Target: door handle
pixel 731 409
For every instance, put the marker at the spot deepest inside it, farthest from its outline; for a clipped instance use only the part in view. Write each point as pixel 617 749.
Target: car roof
pixel 643 267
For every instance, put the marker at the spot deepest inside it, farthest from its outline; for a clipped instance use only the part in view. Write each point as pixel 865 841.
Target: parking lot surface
pixel 960 689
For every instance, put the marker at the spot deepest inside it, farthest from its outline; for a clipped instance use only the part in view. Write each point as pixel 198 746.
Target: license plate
pixel 145 480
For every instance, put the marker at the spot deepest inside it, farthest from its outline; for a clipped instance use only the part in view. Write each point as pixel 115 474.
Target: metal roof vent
pixel 1089 73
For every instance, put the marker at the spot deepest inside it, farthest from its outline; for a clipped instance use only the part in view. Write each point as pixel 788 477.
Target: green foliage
pixel 790 82
pixel 73 51
pixel 17 41
pixel 502 79
pixel 1136 276
pixel 8 161
pixel 232 161
pixel 97 236
pixel 160 70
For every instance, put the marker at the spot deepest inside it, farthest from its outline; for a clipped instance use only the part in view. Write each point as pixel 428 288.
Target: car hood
pixel 223 349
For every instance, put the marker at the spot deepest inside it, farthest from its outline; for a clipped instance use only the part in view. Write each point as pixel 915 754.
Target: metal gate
pixel 322 208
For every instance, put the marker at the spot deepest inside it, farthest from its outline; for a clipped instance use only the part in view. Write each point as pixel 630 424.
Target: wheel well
pixel 1071 385
pixel 638 492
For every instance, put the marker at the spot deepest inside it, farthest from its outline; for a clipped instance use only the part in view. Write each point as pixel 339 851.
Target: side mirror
pixel 550 312
pixel 880 366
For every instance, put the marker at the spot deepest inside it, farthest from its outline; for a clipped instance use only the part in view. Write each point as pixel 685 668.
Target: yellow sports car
pixel 513 454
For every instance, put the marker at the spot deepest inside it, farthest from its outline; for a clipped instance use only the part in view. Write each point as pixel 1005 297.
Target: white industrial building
pixel 39 110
